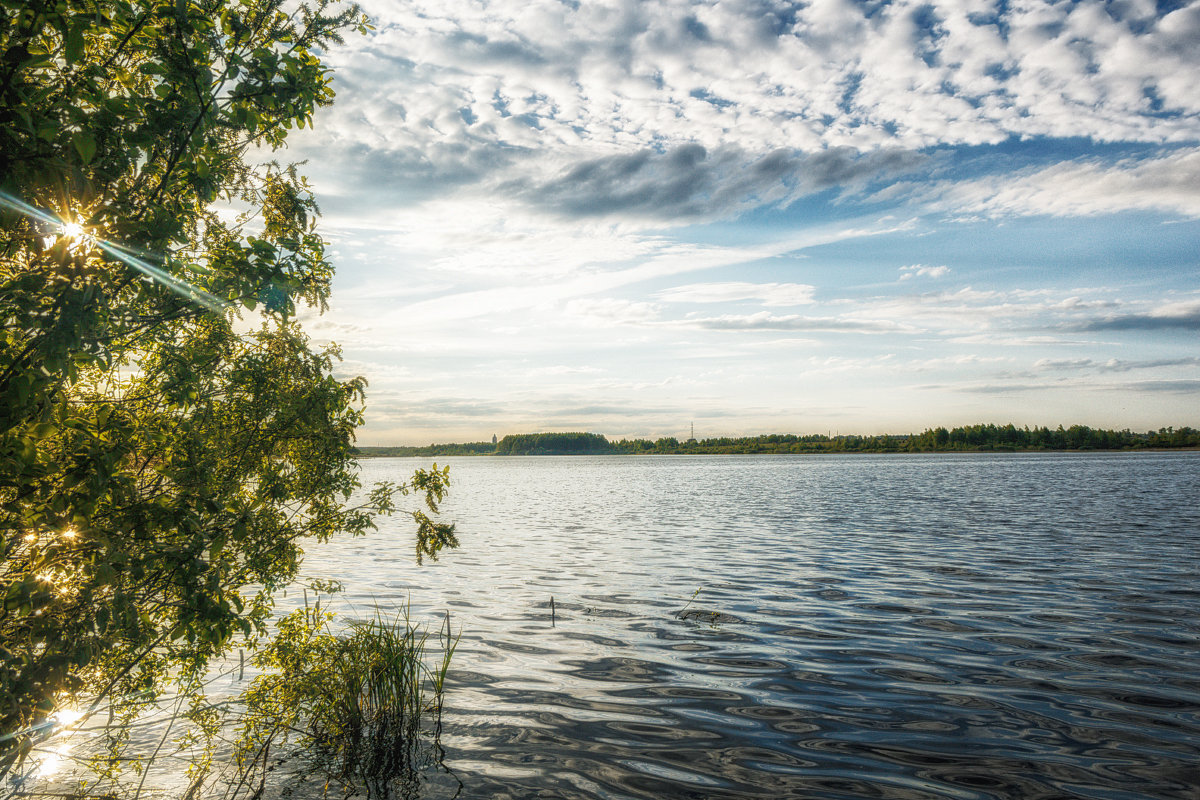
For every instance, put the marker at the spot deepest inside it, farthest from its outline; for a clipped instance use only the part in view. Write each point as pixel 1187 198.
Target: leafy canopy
pixel 159 466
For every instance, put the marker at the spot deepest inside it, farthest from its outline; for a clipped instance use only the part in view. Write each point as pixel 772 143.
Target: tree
pixel 156 462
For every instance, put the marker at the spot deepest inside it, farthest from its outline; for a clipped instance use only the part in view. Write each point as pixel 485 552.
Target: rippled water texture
pixel 982 626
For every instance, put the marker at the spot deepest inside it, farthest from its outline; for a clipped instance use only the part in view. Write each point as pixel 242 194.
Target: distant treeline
pixel 468 449
pixel 971 438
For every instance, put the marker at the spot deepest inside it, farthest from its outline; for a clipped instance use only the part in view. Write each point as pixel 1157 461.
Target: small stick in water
pixel 552 611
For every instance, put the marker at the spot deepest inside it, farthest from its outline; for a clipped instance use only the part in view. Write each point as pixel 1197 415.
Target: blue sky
pixel 760 216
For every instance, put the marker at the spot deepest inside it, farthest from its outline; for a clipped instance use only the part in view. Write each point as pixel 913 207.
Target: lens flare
pixel 79 236
pixel 73 231
pixel 66 717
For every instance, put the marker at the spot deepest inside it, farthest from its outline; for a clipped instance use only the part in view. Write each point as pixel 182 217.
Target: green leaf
pixel 43 430
pixel 85 145
pixel 73 46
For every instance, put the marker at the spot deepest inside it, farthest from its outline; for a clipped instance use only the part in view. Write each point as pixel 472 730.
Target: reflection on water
pixel 1020 626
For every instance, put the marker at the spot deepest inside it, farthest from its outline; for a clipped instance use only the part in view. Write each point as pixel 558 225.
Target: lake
pixel 909 626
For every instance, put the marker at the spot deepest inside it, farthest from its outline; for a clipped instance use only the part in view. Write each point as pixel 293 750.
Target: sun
pixel 78 238
pixel 72 230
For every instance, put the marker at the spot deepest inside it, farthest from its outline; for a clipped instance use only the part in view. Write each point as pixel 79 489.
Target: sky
pixel 752 216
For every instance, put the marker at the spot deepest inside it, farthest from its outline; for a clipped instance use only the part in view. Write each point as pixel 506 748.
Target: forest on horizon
pixel 970 438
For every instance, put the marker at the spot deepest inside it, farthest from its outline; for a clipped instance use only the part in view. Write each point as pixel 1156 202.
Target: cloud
pixel 1006 388
pixel 514 186
pixel 689 182
pixel 561 369
pixel 1179 386
pixel 673 110
pixel 612 311
pixel 950 362
pixel 775 73
pixel 515 263
pixel 432 409
pixel 765 321
pixel 1175 316
pixel 922 271
pixel 770 294
pixel 1167 183
pixel 1113 364
pixel 1009 340
pixel 615 411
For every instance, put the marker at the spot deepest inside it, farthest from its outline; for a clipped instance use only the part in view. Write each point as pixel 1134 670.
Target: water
pixel 941 626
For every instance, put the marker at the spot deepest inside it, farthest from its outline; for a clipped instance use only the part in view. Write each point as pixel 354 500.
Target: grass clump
pixel 361 709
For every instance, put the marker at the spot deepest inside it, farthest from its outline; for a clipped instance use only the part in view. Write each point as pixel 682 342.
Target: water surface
pixel 941 626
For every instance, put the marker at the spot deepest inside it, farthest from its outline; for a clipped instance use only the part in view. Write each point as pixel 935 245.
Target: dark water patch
pixel 592 638
pixel 811 633
pixel 522 647
pixel 1021 642
pixel 895 608
pixel 692 693
pixel 913 676
pixel 614 613
pixel 707 616
pixel 1037 665
pixel 1116 661
pixel 945 625
pixel 621 670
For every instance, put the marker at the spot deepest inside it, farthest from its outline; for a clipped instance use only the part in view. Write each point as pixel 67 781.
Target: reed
pixel 363 708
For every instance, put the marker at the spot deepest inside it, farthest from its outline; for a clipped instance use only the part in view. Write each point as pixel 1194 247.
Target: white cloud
pixel 1170 184
pixel 1174 315
pixel 766 321
pixel 922 271
pixel 611 311
pixel 515 97
pixel 1113 364
pixel 562 369
pixel 512 184
pixel 770 294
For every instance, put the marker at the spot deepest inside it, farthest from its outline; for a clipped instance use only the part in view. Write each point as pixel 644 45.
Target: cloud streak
pixel 1176 316
pixel 1169 183
pixel 769 294
pixel 689 183
pixel 765 321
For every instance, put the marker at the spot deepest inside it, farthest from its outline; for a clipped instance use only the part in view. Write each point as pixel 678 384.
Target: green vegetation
pixel 357 710
pixel 984 437
pixel 552 444
pixel 971 438
pixel 160 466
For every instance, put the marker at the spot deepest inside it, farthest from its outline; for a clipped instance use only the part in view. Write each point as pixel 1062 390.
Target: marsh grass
pixel 361 709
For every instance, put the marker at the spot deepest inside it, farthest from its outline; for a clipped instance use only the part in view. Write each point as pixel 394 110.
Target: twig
pixel 679 613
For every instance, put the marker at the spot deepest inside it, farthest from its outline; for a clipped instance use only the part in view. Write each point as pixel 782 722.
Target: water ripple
pixel 976 627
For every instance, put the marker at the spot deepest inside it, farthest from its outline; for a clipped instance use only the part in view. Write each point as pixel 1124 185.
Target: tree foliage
pixel 161 457
pixel 552 444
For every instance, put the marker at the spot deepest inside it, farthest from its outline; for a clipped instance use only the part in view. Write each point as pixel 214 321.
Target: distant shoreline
pixel 1131 450
pixel 983 438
